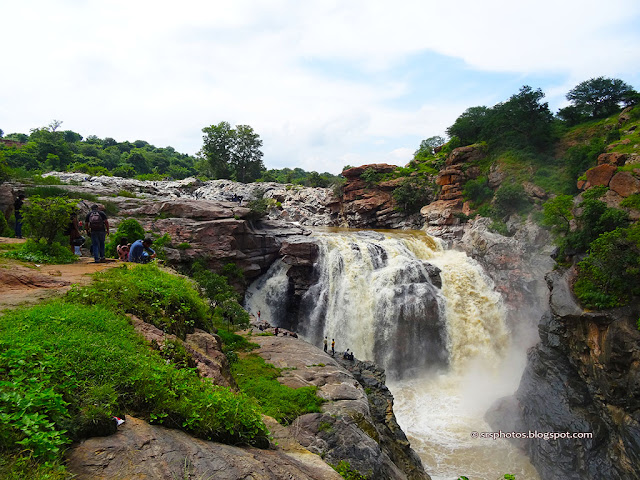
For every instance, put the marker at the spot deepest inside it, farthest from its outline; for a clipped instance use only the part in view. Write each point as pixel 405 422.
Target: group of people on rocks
pixel 97 226
pixel 346 355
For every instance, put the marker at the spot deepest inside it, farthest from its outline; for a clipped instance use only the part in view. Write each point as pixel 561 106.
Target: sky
pixel 325 83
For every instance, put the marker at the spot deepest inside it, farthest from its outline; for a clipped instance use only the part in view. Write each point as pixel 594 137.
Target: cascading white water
pixel 445 350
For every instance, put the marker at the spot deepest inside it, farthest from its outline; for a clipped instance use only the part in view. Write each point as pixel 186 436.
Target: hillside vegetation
pixel 67 367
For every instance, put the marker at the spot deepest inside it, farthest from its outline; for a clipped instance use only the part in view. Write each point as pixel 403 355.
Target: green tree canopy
pixel 523 121
pixel 597 98
pixel 232 153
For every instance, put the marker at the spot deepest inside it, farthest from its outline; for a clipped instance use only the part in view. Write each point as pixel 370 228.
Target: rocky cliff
pixel 583 377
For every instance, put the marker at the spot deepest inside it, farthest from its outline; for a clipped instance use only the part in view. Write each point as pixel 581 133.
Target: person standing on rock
pixel 333 347
pixel 98 226
pixel 325 344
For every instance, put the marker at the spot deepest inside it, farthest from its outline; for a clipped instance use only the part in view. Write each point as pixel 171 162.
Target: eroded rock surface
pixel 142 451
pixel 355 425
pixel 583 377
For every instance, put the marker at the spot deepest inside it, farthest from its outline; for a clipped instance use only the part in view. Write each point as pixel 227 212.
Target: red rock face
pixel 370 205
pixel 617 159
pixel 624 184
pixel 600 175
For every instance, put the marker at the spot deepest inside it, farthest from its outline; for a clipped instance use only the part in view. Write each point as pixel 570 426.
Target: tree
pixel 232 153
pixel 218 145
pixel 246 158
pixel 469 126
pixel 428 146
pixel 558 214
pixel 597 98
pixel 522 121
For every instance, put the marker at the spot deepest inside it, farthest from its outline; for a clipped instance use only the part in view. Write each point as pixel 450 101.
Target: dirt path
pixel 24 283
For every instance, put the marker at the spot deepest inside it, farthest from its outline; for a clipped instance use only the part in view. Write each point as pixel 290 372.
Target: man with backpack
pixel 97 225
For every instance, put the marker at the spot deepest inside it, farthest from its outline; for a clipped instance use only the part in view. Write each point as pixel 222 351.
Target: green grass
pixel 169 302
pixel 258 379
pixel 66 369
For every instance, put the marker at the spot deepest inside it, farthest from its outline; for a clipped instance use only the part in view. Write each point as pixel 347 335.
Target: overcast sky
pixel 324 83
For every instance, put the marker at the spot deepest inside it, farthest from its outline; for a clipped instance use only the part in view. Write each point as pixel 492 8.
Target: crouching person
pixel 141 251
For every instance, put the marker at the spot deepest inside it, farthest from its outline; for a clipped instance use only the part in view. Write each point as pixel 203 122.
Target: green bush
pixel 477 190
pixel 42 252
pixel 610 274
pixel 510 198
pixel 347 472
pixel 413 194
pixel 259 380
pixel 5 230
pixel 66 369
pixel 126 193
pixel 223 297
pixel 45 218
pixel 169 302
pixel 129 229
pixel 632 201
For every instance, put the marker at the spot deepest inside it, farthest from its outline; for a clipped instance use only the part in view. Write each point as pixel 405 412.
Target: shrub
pixel 45 218
pixel 45 192
pixel 610 274
pixel 66 369
pixel 159 245
pixel 126 193
pixel 5 230
pixel 347 472
pixel 42 252
pixel 129 229
pixel 370 176
pixel 413 194
pixel 223 297
pixel 632 201
pixel 477 190
pixel 510 198
pixel 169 302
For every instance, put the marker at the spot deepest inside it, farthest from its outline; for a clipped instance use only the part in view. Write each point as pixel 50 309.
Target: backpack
pixel 96 222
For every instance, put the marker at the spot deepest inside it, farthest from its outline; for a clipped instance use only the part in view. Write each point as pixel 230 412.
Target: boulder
pixel 357 423
pixel 600 175
pixel 139 450
pixel 625 184
pixel 617 159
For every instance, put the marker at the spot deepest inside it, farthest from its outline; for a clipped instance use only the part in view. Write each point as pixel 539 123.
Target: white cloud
pixel 322 81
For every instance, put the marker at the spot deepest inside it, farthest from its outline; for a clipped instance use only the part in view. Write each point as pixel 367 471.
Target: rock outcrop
pixel 443 216
pixel 357 424
pixel 367 204
pixel 583 377
pixel 139 450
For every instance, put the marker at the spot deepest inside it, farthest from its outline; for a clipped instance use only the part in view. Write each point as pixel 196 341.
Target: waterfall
pixel 378 295
pixel 432 319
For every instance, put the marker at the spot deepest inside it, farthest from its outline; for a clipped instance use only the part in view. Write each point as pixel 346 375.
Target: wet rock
pixel 583 377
